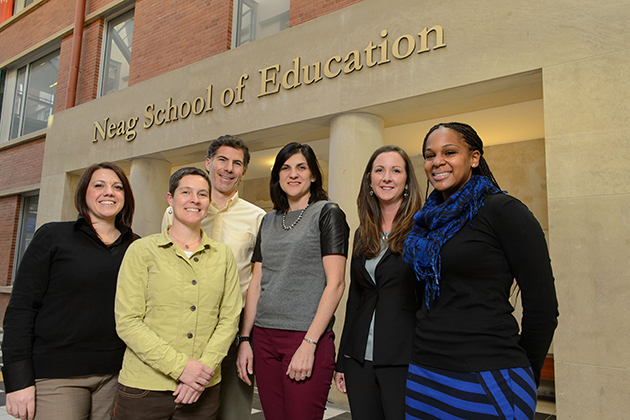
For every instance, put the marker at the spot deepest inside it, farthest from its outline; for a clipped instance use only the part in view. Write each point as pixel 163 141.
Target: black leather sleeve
pixel 334 230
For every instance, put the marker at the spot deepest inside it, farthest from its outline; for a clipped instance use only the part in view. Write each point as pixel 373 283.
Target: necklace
pixel 186 246
pixel 384 236
pixel 284 217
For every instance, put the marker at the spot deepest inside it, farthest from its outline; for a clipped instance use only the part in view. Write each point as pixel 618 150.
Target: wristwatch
pixel 240 339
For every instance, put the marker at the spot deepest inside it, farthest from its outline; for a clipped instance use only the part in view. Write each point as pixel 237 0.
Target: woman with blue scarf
pixel 469 243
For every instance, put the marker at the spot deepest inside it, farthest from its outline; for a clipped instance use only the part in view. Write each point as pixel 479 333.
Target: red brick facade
pixel 305 10
pixel 21 165
pixel 169 34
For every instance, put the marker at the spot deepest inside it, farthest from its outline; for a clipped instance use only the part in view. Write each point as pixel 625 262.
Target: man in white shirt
pixel 234 222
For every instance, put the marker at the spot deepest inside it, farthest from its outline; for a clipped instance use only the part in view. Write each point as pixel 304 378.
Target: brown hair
pixel 368 240
pixel 125 216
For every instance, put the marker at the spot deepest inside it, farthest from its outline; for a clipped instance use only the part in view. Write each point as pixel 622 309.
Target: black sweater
pixel 60 318
pixel 470 326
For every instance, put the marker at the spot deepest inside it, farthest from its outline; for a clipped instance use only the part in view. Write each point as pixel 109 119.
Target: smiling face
pixel 190 201
pixel 295 179
pixel 388 178
pixel 448 161
pixel 226 169
pixel 105 196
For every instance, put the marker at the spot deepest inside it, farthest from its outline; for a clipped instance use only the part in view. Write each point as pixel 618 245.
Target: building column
pixel 149 181
pixel 588 185
pixel 353 139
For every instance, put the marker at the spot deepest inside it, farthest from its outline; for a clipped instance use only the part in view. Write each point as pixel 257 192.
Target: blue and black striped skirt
pixel 437 394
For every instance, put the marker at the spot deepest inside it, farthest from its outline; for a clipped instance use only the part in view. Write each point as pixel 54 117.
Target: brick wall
pixel 305 10
pixel 44 21
pixel 169 34
pixel 9 219
pixel 21 165
pixel 89 66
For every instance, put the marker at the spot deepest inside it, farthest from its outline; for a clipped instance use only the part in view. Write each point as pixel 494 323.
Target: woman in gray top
pixel 298 280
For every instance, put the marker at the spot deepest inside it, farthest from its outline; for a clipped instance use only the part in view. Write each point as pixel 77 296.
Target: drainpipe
pixel 77 40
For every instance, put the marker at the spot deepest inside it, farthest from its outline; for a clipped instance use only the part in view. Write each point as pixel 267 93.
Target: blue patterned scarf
pixel 436 223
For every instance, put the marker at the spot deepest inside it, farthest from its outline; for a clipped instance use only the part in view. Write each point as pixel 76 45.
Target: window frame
pixel 238 19
pixel 20 246
pixel 105 53
pixel 10 84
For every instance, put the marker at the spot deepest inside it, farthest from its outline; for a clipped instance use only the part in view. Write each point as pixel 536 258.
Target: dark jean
pixel 142 404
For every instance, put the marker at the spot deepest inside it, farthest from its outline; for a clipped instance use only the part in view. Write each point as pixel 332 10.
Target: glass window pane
pixel 40 93
pixel 18 103
pixel 27 226
pixel 117 54
pixel 3 76
pixel 258 19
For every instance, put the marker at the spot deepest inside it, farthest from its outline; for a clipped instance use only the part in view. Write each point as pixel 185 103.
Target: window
pixel 258 19
pixel 28 220
pixel 3 76
pixel 115 69
pixel 34 95
pixel 21 4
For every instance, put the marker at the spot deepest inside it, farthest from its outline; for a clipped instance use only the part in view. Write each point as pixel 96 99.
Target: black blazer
pixel 394 298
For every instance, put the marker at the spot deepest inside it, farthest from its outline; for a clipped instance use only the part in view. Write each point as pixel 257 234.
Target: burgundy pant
pixel 281 397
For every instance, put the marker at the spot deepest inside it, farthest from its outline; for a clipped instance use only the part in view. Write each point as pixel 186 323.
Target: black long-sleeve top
pixel 470 326
pixel 60 318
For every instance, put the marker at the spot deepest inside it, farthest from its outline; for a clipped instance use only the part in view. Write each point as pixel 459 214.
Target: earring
pixel 371 192
pixel 406 193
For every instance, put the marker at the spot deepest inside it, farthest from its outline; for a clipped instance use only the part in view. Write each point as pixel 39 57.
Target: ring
pixel 303 376
pixel 238 372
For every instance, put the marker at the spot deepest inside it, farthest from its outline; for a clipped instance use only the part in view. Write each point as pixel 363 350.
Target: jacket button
pixel 194 282
pixel 193 308
pixel 196 259
pixel 189 335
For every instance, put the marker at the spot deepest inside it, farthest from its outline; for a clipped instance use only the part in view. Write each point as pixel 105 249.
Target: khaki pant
pixel 77 398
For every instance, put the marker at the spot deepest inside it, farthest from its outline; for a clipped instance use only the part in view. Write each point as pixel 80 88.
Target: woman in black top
pixel 377 335
pixel 469 243
pixel 60 350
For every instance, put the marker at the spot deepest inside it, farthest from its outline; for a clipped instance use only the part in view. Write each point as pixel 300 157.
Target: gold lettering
pixel 369 55
pixel 209 92
pixel 327 71
pixel 131 125
pixel 411 45
pixel 353 62
pixel 198 101
pixel 99 129
pixel 170 107
pixel 239 88
pixel 122 130
pixel 224 102
pixel 111 130
pixel 149 116
pixel 159 121
pixel 265 79
pixel 383 46
pixel 295 72
pixel 424 35
pixel 183 114
pixel 306 70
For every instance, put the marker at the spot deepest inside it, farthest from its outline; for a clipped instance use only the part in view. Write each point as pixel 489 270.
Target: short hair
pixel 369 210
pixel 230 141
pixel 278 196
pixel 177 176
pixel 125 216
pixel 474 142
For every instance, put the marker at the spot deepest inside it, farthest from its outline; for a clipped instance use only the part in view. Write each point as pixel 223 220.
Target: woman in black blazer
pixel 379 326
